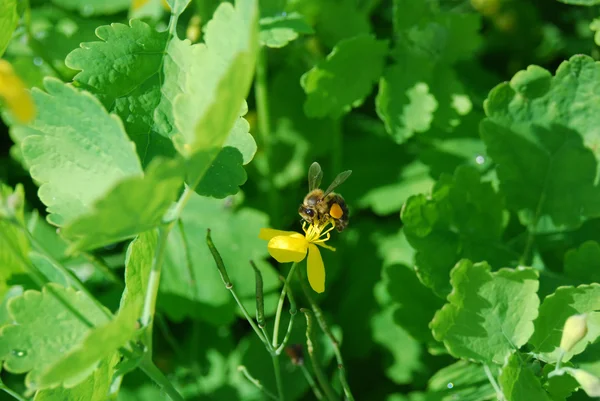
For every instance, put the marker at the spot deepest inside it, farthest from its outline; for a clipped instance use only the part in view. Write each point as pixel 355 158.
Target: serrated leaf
pixel 279 30
pixel 406 360
pixel 555 310
pixel 519 382
pixel 583 263
pixel 133 206
pixel 332 89
pixel 74 366
pixel 94 7
pixel 190 282
pixel 8 22
pixel 481 320
pixel 219 78
pixel 138 263
pixel 76 150
pixel 43 329
pixel 536 131
pixel 94 388
pixel 462 218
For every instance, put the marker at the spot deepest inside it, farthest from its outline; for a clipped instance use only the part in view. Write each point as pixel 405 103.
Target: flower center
pixel 318 233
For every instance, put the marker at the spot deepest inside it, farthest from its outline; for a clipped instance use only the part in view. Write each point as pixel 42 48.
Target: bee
pixel 319 206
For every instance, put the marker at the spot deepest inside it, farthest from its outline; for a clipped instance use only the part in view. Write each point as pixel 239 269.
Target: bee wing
pixel 338 180
pixel 315 175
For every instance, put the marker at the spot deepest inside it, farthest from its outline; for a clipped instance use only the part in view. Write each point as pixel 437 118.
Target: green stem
pixel 293 312
pixel 12 393
pixel 329 392
pixel 336 346
pixel 311 382
pixel 278 379
pixel 159 378
pixel 561 355
pixel 256 382
pixel 492 380
pixel 280 306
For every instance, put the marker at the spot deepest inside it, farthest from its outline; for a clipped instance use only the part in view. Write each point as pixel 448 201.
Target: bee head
pixel 307 213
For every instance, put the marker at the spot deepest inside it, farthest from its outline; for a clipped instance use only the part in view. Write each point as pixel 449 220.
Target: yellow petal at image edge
pixel 14 94
pixel 315 269
pixel 288 248
pixel 268 233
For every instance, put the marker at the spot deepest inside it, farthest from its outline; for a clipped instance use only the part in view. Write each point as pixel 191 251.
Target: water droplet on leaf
pixel 450 385
pixel 19 353
pixel 480 159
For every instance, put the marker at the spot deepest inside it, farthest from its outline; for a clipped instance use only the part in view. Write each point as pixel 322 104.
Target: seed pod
pixel 574 330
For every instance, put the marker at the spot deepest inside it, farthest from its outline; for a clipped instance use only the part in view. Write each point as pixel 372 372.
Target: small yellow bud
pixel 574 330
pixel 14 94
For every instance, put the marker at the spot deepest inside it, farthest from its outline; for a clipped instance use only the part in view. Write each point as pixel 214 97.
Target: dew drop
pixel 450 385
pixel 38 61
pixel 19 353
pixel 480 159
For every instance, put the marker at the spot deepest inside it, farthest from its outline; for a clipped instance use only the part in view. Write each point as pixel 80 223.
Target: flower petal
pixel 268 233
pixel 288 248
pixel 16 97
pixel 315 269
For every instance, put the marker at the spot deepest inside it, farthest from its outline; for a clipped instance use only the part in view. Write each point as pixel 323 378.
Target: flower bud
pixel 588 382
pixel 574 330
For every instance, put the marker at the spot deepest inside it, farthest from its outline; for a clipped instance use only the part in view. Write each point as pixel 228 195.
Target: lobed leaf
pixel 481 321
pixel 279 30
pixel 332 89
pixel 519 382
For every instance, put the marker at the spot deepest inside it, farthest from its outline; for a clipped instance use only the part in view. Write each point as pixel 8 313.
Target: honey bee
pixel 319 206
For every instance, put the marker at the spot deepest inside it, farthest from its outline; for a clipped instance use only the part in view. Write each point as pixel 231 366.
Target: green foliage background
pixel 473 132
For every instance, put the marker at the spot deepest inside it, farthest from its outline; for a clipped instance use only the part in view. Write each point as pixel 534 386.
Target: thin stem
pixel 293 312
pixel 561 355
pixel 12 393
pixel 311 382
pixel 159 378
pixel 336 346
pixel 493 382
pixel 104 269
pixel 256 382
pixel 280 306
pixel 329 392
pixel 278 380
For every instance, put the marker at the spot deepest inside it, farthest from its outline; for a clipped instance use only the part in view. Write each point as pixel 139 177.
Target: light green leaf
pixel 461 381
pixel 481 320
pixel 190 281
pixel 138 263
pixel 76 150
pixel 43 329
pixel 100 343
pixel 583 263
pixel 94 388
pixel 555 310
pixel 133 206
pixel 588 3
pixel 94 7
pixel 542 139
pixel 332 88
pixel 14 246
pixel 519 382
pixel 125 70
pixel 280 30
pixel 8 22
pixel 462 218
pixel 406 360
pixel 219 78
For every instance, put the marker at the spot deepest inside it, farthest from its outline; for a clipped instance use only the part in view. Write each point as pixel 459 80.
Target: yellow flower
pixel 290 246
pixel 16 98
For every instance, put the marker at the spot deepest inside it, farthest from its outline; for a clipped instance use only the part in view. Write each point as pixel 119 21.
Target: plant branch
pixel 280 305
pixel 311 382
pixel 256 382
pixel 492 380
pixel 293 312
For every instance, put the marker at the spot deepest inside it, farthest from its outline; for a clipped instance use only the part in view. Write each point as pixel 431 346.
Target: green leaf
pixel 462 218
pixel 462 381
pixel 583 263
pixel 559 387
pixel 406 353
pixel 519 382
pixel 94 7
pixel 43 329
pixel 138 263
pixel 588 3
pixel 219 78
pixel 80 361
pixel 536 132
pixel 555 310
pixel 76 150
pixel 337 19
pixel 125 69
pixel 481 320
pixel 133 206
pixel 190 282
pixel 280 30
pixel 14 246
pixel 8 22
pixel 332 88
pixel 94 388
